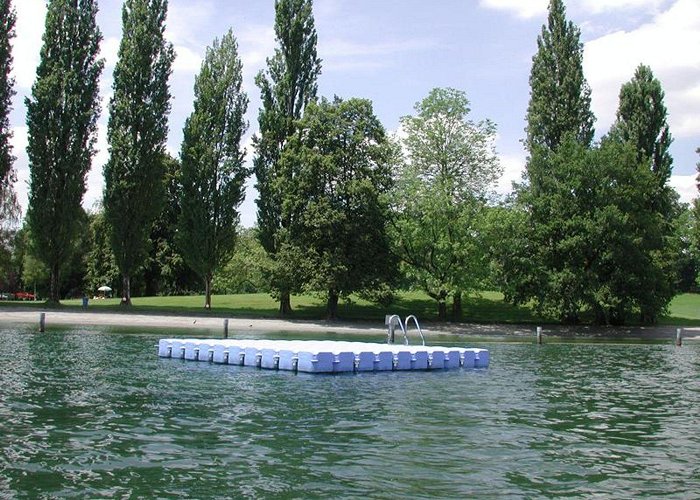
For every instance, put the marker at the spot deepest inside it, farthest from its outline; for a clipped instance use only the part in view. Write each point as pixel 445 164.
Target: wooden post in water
pixel 679 340
pixel 42 322
pixel 226 328
pixel 539 335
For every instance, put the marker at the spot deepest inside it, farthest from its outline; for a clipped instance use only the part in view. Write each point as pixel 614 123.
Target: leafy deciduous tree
pixel 61 120
pixel 213 172
pixel 335 175
pixel 136 132
pixel 441 194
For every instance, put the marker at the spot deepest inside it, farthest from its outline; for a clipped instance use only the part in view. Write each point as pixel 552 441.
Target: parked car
pixel 24 296
pixel 7 296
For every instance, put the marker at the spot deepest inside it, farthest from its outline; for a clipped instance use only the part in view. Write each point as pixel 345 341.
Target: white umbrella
pixel 104 288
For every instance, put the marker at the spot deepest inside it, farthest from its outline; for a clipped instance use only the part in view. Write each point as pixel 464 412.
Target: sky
pixel 394 52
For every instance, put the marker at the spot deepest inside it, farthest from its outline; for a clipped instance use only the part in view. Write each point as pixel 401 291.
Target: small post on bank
pixel 539 335
pixel 42 322
pixel 226 328
pixel 679 339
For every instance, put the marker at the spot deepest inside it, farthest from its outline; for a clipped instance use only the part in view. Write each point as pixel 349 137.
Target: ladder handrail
pixel 395 319
pixel 390 325
pixel 420 332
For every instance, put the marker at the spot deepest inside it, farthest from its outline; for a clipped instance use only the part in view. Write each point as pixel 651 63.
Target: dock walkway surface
pixel 198 324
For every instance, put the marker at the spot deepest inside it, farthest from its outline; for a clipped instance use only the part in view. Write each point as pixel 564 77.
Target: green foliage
pixel 641 119
pixel 286 88
pixel 9 207
pixel 213 174
pixel 440 196
pixel 61 120
pixel 246 270
pixel 166 272
pixel 100 263
pixel 335 172
pixel 136 132
pixel 587 238
pixel 560 98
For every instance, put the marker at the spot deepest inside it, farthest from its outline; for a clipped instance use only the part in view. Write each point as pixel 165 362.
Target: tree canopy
pixel 560 98
pixel 61 120
pixel 335 175
pixel 136 132
pixel 9 208
pixel 440 194
pixel 213 171
pixel 287 86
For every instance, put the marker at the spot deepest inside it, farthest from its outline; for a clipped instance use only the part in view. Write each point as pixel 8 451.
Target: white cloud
pixel 669 46
pixel 186 60
pixel 109 49
pixel 513 168
pixel 29 29
pixel 343 55
pixel 527 9
pixel 685 186
pixel 522 8
pixel 599 6
pixel 19 142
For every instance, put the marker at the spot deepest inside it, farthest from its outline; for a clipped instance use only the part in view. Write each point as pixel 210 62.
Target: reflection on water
pixel 91 414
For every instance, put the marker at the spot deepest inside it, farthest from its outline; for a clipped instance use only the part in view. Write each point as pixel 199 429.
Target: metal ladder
pixel 392 320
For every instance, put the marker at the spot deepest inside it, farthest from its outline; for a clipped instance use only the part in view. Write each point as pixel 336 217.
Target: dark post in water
pixel 679 340
pixel 42 322
pixel 539 334
pixel 226 328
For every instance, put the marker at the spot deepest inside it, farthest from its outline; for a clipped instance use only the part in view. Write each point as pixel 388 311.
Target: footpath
pixel 199 325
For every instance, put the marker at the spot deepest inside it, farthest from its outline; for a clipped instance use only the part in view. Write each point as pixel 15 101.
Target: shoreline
pixel 239 326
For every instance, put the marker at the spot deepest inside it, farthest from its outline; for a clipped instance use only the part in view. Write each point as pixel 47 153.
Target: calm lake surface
pixel 94 414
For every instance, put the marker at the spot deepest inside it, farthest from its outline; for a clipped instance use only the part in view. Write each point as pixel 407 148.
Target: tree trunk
pixel 332 305
pixel 457 306
pixel 54 288
pixel 442 310
pixel 285 303
pixel 126 291
pixel 207 292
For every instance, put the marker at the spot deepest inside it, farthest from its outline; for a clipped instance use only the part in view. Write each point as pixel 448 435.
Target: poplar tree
pixel 213 172
pixel 642 122
pixel 8 199
pixel 286 87
pixel 560 98
pixel 136 132
pixel 642 119
pixel 61 119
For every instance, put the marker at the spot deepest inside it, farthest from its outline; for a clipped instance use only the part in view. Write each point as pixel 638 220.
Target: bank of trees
pixel 593 232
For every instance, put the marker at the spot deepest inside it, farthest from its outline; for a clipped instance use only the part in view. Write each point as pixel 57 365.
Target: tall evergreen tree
pixel 641 119
pixel 8 200
pixel 213 171
pixel 287 86
pixel 61 120
pixel 560 98
pixel 137 131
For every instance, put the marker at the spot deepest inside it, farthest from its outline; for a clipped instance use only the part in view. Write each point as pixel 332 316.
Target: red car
pixel 24 296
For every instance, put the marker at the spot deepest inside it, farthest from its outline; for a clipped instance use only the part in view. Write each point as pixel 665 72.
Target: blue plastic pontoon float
pixel 312 356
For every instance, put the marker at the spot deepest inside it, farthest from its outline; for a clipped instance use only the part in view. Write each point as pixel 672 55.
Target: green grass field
pixel 486 307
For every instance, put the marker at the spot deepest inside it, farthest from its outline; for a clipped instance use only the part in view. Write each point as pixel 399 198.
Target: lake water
pixel 94 414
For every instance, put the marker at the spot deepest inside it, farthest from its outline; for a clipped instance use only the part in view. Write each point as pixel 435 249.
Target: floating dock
pixel 325 356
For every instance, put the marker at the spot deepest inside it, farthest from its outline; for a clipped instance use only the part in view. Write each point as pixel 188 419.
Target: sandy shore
pixel 199 325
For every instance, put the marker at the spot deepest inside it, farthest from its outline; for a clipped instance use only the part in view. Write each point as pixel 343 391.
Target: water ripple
pixel 88 414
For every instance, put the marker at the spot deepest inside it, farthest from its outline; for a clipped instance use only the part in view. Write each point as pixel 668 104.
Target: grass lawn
pixel 485 307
